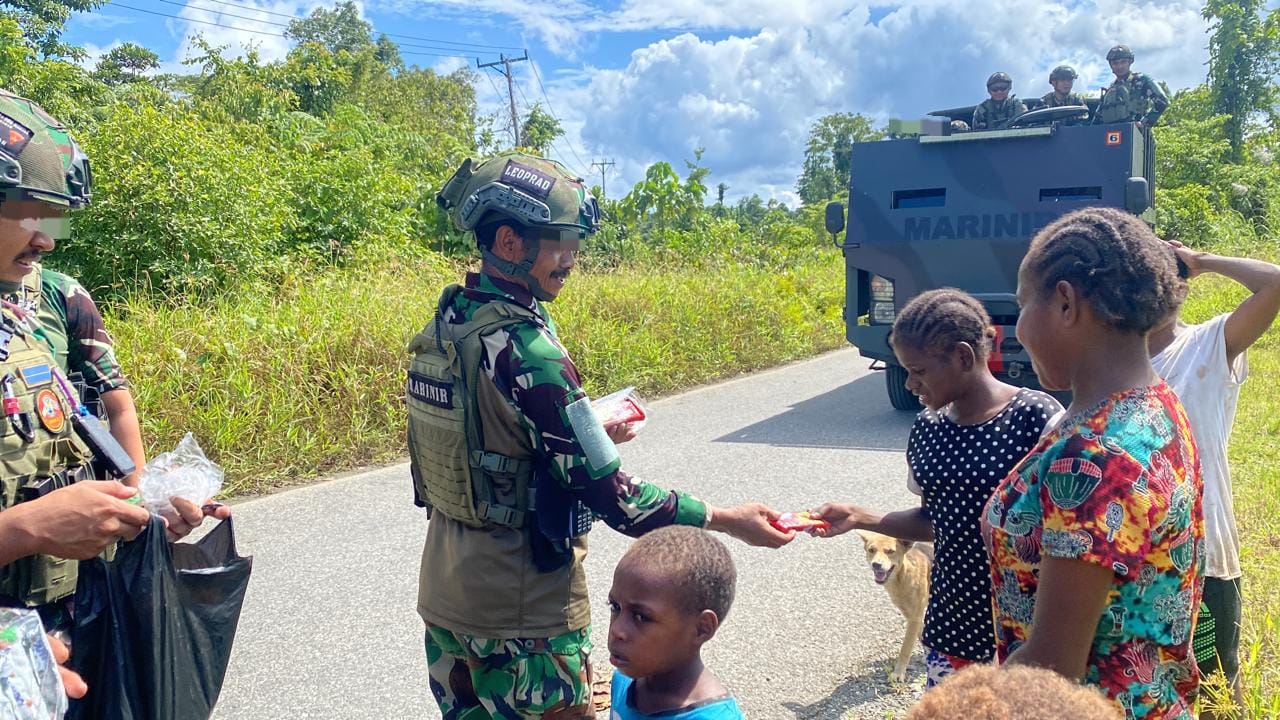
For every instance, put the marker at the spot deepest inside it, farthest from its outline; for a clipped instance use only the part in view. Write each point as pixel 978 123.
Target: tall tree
pixel 1244 57
pixel 540 129
pixel 827 155
pixel 338 29
pixel 42 22
pixel 126 63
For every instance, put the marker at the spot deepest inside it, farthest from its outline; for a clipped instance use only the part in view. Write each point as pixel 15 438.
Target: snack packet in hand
pixel 624 406
pixel 799 521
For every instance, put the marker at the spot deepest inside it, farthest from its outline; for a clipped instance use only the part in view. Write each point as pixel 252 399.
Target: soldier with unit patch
pixel 1133 97
pixel 995 112
pixel 1062 79
pixel 512 463
pixel 51 328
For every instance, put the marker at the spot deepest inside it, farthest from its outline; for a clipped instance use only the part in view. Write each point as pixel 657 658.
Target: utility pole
pixel 505 62
pixel 602 165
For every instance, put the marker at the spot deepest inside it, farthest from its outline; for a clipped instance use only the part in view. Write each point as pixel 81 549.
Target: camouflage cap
pixel 38 158
pixel 999 77
pixel 1120 52
pixel 1062 72
pixel 528 189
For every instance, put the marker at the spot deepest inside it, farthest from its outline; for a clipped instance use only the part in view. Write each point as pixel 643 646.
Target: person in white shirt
pixel 1206 364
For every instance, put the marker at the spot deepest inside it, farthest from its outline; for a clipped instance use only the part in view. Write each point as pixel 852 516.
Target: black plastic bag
pixel 154 627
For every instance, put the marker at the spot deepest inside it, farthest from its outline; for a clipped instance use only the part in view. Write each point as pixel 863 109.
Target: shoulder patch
pixel 50 411
pixel 530 179
pixel 14 136
pixel 36 375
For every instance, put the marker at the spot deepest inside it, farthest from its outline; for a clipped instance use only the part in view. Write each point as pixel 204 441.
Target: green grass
pixel 305 378
pixel 1254 457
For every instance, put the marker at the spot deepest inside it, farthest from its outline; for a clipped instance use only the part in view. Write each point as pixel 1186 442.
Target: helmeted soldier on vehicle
pixel 1133 96
pixel 511 461
pixel 1062 78
pixel 995 112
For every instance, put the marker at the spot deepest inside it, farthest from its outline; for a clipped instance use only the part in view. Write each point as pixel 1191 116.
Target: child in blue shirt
pixel 670 593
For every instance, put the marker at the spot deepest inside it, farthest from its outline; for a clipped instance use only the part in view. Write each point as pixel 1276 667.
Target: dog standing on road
pixel 902 567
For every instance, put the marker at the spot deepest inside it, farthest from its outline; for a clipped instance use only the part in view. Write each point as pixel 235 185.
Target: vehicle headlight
pixel 882 309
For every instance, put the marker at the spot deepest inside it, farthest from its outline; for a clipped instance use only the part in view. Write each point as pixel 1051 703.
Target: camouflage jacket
pixel 992 115
pixel 1051 100
pixel 484 581
pixel 70 323
pixel 535 375
pixel 1137 97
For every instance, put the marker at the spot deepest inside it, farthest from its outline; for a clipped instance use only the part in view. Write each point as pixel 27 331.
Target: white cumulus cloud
pixel 750 99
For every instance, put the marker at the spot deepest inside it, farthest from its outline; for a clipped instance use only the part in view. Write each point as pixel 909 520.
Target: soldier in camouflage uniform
pixel 43 176
pixel 1061 79
pixel 513 464
pixel 1133 97
pixel 47 520
pixel 995 112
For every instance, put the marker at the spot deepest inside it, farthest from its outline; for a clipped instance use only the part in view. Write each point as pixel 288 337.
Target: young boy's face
pixel 651 630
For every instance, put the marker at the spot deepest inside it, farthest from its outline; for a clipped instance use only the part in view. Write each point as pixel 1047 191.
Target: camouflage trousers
pixel 476 678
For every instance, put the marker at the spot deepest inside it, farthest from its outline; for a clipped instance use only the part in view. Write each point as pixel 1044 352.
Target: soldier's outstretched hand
pixel 752 523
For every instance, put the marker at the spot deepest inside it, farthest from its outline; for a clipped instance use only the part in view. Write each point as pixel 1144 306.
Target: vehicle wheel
pixel 895 379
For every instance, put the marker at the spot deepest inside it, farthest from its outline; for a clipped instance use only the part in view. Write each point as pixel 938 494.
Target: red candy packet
pixel 624 406
pixel 800 522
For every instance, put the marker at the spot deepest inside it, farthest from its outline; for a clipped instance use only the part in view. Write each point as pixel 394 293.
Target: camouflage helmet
pixel 999 77
pixel 531 190
pixel 1119 52
pixel 38 158
pixel 1063 72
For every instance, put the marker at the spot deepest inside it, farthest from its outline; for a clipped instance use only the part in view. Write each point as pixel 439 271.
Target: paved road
pixel 329 628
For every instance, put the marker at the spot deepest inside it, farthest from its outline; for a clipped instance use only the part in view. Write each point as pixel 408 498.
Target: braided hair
pixel 938 320
pixel 1116 263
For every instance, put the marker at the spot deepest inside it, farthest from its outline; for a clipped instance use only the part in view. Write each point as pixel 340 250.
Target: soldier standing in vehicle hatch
pixel 1062 79
pixel 995 112
pixel 1133 97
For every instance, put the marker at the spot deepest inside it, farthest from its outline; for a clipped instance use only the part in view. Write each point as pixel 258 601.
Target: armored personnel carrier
pixel 931 207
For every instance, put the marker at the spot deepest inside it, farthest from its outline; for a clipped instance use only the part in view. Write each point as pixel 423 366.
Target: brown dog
pixel 902 567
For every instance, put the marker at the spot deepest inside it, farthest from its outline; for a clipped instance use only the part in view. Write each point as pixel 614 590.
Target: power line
pixel 498 94
pixel 407 37
pixel 552 112
pixel 250 30
pixel 283 25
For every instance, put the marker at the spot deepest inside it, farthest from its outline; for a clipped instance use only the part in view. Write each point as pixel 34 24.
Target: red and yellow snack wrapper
pixel 799 521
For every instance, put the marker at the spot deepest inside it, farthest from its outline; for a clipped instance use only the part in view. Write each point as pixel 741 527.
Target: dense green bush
pixel 180 203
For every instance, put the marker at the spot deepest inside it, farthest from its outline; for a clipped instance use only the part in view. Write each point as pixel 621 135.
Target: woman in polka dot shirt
pixel 973 430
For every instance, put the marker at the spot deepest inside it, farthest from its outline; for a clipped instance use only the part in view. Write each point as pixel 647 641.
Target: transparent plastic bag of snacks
pixel 30 686
pixel 185 472
pixel 624 406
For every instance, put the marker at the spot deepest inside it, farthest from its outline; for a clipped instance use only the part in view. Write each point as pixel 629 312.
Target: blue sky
pixel 638 81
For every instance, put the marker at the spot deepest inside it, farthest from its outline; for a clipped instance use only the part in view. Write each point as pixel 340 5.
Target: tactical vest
pixel 454 471
pixel 39 452
pixel 1121 104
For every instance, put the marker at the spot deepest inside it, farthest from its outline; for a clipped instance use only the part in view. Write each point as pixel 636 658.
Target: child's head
pixel 670 593
pixel 1092 273
pixel 942 337
pixel 1017 692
